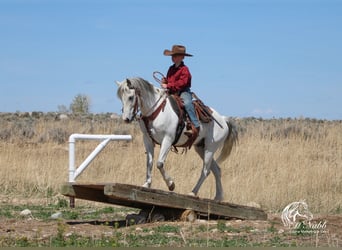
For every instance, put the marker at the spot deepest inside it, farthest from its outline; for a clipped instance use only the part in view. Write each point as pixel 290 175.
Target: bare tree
pixel 80 104
pixel 62 109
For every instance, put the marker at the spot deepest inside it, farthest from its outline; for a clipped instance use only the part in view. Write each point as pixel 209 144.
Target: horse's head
pixel 128 96
pixel 294 212
pixel 304 212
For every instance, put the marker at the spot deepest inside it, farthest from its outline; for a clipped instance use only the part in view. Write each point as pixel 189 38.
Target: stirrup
pixel 193 132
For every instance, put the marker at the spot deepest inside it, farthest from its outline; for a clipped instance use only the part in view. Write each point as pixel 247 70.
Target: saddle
pixel 203 114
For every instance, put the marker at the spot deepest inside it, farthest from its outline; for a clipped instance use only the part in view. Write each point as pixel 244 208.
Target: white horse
pixel 293 210
pixel 138 94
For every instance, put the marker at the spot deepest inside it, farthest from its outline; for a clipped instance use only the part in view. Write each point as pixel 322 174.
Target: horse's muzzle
pixel 126 118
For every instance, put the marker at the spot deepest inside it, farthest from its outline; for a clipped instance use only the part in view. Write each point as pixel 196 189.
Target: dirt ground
pixel 265 233
pixel 100 221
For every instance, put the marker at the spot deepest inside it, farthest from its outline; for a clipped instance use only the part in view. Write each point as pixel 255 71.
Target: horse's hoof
pixel 147 185
pixel 172 186
pixel 218 198
pixel 192 194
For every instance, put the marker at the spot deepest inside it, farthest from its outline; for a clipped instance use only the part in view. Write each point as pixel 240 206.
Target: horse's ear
pixel 129 84
pixel 118 83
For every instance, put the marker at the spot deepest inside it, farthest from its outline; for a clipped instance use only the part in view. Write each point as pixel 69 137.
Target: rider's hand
pixel 164 83
pixel 163 80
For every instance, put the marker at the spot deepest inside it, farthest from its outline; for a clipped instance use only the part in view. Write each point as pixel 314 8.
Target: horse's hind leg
pixel 217 173
pixel 207 158
pixel 208 165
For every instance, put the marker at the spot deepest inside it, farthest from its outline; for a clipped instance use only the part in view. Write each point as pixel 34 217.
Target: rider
pixel 178 81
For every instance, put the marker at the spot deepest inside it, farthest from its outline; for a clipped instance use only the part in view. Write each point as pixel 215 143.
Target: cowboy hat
pixel 176 50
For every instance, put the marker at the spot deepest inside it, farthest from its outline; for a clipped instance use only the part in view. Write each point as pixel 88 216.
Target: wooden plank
pixel 92 192
pixel 146 196
pixel 95 192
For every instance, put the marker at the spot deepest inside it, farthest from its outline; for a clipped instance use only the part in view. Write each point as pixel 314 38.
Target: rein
pixel 158 76
pixel 155 104
pixel 151 117
pixel 136 106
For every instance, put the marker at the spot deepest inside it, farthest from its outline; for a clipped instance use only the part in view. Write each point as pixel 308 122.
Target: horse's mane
pixel 146 88
pixel 142 85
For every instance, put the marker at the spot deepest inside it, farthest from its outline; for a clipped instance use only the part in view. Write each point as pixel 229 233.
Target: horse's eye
pixel 130 98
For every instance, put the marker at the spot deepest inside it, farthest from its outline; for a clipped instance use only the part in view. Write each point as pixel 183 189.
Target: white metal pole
pixel 73 172
pixel 91 157
pixel 72 158
pixel 102 137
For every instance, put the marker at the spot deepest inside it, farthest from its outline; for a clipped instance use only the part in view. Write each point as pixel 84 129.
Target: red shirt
pixel 178 78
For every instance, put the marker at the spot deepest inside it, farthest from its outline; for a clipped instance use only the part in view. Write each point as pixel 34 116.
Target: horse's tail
pixel 229 142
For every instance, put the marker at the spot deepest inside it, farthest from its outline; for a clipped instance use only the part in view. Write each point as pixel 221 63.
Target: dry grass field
pixel 275 162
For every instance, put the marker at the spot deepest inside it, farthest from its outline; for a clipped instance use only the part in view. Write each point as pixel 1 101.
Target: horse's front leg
pixel 164 150
pixel 149 147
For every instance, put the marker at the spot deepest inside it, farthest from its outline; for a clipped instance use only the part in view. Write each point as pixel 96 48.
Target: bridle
pixel 136 105
pixel 151 112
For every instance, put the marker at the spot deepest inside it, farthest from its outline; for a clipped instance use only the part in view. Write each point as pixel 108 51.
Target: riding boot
pixel 193 132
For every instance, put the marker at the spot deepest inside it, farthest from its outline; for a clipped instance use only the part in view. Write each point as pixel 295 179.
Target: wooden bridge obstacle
pixel 155 204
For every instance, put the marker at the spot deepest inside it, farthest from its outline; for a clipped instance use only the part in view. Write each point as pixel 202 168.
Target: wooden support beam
pixel 147 196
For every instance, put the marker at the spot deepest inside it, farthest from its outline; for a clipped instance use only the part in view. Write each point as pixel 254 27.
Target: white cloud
pixel 263 112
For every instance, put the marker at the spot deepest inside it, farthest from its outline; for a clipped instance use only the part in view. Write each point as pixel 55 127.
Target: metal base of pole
pixel 72 202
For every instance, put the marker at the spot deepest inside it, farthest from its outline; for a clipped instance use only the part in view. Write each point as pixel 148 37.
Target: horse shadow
pixel 144 216
pixel 113 224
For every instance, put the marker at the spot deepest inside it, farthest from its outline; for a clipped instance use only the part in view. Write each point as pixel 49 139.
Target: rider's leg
pixel 190 109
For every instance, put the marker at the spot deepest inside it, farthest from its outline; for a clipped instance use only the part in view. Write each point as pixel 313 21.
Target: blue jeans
pixel 186 96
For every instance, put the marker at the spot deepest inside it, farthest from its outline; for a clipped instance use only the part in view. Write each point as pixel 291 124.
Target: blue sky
pixel 267 58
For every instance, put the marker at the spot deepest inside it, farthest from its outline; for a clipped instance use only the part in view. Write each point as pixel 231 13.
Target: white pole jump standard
pixel 73 172
pixel 105 139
